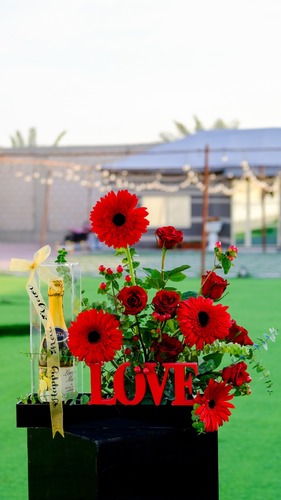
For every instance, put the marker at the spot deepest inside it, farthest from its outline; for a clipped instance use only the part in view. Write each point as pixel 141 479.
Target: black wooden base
pixel 125 453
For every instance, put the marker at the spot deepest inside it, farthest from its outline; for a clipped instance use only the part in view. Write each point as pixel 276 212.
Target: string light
pixel 72 171
pixel 250 175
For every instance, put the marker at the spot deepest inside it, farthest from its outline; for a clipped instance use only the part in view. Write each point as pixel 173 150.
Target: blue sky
pixel 121 71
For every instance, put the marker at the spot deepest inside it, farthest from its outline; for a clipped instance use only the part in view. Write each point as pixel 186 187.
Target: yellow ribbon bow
pixel 23 265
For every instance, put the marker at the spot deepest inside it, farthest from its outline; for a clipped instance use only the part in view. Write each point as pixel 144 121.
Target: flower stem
pixel 141 340
pixel 164 250
pixel 130 264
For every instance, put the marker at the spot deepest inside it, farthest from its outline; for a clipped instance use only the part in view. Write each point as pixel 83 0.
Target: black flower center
pixel 93 336
pixel 212 403
pixel 203 318
pixel 119 219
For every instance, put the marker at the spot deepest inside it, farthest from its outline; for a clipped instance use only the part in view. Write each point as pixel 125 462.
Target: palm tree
pixel 18 141
pixel 182 130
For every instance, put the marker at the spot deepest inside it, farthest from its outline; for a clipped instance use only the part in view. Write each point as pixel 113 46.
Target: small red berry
pixel 119 269
pixel 109 270
pixel 127 351
pixel 145 370
pixel 102 268
pixel 137 369
pixel 128 278
pixel 103 286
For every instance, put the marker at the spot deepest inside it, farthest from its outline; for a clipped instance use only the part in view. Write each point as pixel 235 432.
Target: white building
pixel 44 192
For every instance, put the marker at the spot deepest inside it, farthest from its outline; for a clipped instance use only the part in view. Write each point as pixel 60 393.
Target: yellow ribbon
pixel 53 362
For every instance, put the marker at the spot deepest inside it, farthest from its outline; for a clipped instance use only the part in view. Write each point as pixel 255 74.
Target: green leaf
pixel 120 251
pixel 178 277
pixel 157 283
pixel 61 257
pixel 115 285
pixel 146 336
pixel 215 357
pixel 187 295
pixel 127 334
pixel 176 270
pixel 226 264
pixel 84 399
pixel 153 273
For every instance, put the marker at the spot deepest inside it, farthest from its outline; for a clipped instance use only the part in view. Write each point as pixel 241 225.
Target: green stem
pixel 141 341
pixel 164 250
pixel 130 264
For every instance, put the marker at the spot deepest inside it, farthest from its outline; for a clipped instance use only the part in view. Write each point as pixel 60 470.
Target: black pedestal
pixel 119 453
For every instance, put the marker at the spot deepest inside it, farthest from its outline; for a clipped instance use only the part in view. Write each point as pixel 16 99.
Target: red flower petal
pixel 116 220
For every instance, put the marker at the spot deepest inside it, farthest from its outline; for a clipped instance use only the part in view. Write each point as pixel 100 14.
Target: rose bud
pixel 212 285
pixel 168 237
pixel 238 334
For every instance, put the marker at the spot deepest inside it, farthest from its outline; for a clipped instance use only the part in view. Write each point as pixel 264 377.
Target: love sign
pixel 183 373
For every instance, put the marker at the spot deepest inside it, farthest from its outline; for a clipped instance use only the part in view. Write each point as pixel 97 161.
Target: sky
pixel 122 71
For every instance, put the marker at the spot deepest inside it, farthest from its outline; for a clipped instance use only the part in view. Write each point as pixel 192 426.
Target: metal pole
pixel 205 209
pixel 248 232
pixel 45 214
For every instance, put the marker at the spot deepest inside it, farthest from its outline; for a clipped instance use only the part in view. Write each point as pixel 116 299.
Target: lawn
pixel 249 444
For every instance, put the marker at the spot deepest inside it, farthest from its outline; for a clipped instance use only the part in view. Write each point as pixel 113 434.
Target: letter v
pixel 157 389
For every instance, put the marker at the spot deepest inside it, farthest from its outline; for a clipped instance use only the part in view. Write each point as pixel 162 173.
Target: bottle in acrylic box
pixel 62 296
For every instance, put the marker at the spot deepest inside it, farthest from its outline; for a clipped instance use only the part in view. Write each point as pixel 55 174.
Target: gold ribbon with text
pixel 53 362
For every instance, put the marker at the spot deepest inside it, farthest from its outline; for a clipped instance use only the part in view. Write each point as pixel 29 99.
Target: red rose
pixel 166 302
pixel 134 299
pixel 236 374
pixel 238 334
pixel 168 237
pixel 212 285
pixel 168 349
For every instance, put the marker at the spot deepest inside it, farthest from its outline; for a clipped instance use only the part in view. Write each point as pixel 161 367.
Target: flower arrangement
pixel 148 328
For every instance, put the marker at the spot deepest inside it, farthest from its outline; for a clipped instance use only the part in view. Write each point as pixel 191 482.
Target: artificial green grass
pixel 249 444
pixel 14 381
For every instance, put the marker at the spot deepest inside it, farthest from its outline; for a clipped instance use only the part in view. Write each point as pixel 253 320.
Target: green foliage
pixel 61 257
pixel 63 271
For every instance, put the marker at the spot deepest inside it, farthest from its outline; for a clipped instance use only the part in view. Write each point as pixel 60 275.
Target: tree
pixel 18 141
pixel 182 130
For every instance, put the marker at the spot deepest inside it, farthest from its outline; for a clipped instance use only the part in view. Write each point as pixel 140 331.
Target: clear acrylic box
pixel 71 275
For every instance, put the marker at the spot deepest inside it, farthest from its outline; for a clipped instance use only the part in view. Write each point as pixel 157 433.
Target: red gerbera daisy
pixel 202 322
pixel 213 407
pixel 116 220
pixel 95 336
